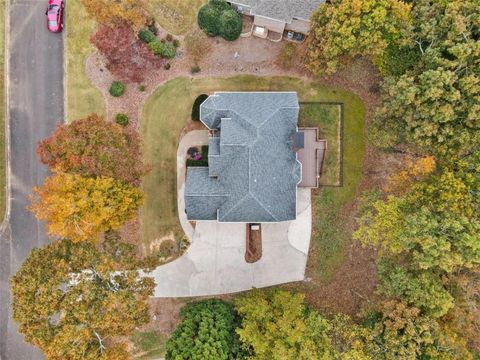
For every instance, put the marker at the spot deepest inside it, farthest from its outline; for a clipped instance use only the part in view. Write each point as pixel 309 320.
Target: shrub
pixel 207 330
pixel 117 89
pixel 195 69
pixel 141 88
pixel 176 43
pixel 230 25
pixel 169 37
pixel 162 49
pixel 153 28
pixel 219 18
pixel 196 106
pixel 167 66
pixel 146 36
pixel 169 51
pixel 121 119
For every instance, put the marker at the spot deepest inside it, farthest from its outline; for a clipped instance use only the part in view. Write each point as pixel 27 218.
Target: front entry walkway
pixel 215 262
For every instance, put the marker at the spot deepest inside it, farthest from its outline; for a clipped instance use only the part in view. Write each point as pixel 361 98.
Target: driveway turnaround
pixel 215 261
pixel 35 94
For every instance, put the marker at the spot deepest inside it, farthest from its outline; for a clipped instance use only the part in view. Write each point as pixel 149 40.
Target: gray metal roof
pixel 253 171
pixel 282 10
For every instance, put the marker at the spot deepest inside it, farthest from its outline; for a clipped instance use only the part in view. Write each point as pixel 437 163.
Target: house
pixel 253 171
pixel 291 17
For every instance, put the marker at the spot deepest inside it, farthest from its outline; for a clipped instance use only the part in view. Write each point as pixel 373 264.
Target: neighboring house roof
pixel 253 171
pixel 282 10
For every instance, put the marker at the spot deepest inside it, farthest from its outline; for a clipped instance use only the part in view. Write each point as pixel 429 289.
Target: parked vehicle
pixel 55 15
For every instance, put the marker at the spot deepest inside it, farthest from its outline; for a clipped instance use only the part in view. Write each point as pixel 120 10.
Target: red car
pixel 55 15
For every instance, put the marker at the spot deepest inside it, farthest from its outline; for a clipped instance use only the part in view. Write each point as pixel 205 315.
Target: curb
pixel 6 218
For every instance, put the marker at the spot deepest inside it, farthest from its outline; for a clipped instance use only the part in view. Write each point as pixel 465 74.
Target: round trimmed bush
pixel 208 20
pixel 121 119
pixel 219 18
pixel 196 106
pixel 147 36
pixel 117 89
pixel 230 25
pixel 168 51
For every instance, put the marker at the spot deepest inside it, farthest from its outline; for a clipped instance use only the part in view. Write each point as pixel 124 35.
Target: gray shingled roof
pixel 253 171
pixel 283 10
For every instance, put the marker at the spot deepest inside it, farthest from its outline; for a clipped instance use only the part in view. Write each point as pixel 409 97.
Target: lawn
pixel 82 97
pixel 164 116
pixel 328 119
pixel 149 345
pixel 175 16
pixel 3 164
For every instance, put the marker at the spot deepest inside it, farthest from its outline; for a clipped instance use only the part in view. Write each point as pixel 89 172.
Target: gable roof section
pixel 282 10
pixel 253 170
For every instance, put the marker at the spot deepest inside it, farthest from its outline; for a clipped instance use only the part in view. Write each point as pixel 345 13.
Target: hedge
pixel 196 106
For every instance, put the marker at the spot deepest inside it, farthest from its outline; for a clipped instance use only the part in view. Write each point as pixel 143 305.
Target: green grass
pixel 166 113
pixel 3 163
pixel 175 16
pixel 327 118
pixel 149 344
pixel 83 98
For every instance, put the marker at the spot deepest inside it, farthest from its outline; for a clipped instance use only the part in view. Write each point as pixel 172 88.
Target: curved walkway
pixel 215 262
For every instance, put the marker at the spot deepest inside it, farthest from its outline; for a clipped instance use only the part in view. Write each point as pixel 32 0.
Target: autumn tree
pixel 435 105
pixel 113 12
pixel 72 301
pixel 82 208
pixel 403 332
pixel 276 324
pixel 95 147
pixel 341 30
pixel 127 57
pixel 206 331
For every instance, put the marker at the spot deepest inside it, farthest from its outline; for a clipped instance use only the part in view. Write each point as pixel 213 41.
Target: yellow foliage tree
pixel 347 28
pixel 414 170
pixel 111 12
pixel 80 208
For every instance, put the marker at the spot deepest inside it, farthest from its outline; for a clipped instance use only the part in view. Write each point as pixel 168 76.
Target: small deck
pixel 311 157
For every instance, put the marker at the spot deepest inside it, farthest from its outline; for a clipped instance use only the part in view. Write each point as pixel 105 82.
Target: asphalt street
pixel 35 94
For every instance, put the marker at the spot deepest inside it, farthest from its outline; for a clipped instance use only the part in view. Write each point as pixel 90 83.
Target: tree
pixel 277 325
pixel 217 17
pixel 71 301
pixel 344 29
pixel 95 147
pixel 111 12
pixel 82 208
pixel 206 331
pixel 403 332
pixel 127 57
pixel 435 105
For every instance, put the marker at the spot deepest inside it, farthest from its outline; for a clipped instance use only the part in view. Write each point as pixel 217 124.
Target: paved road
pixel 35 88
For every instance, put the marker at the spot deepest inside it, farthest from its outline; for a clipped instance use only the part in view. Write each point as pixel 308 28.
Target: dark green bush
pixel 195 69
pixel 196 106
pixel 146 36
pixel 141 88
pixel 219 18
pixel 117 89
pixel 206 331
pixel 121 119
pixel 230 25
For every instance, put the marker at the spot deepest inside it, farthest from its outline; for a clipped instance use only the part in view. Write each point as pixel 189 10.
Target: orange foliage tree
pixel 111 12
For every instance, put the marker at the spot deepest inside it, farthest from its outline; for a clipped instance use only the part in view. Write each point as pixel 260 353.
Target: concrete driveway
pixel 215 261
